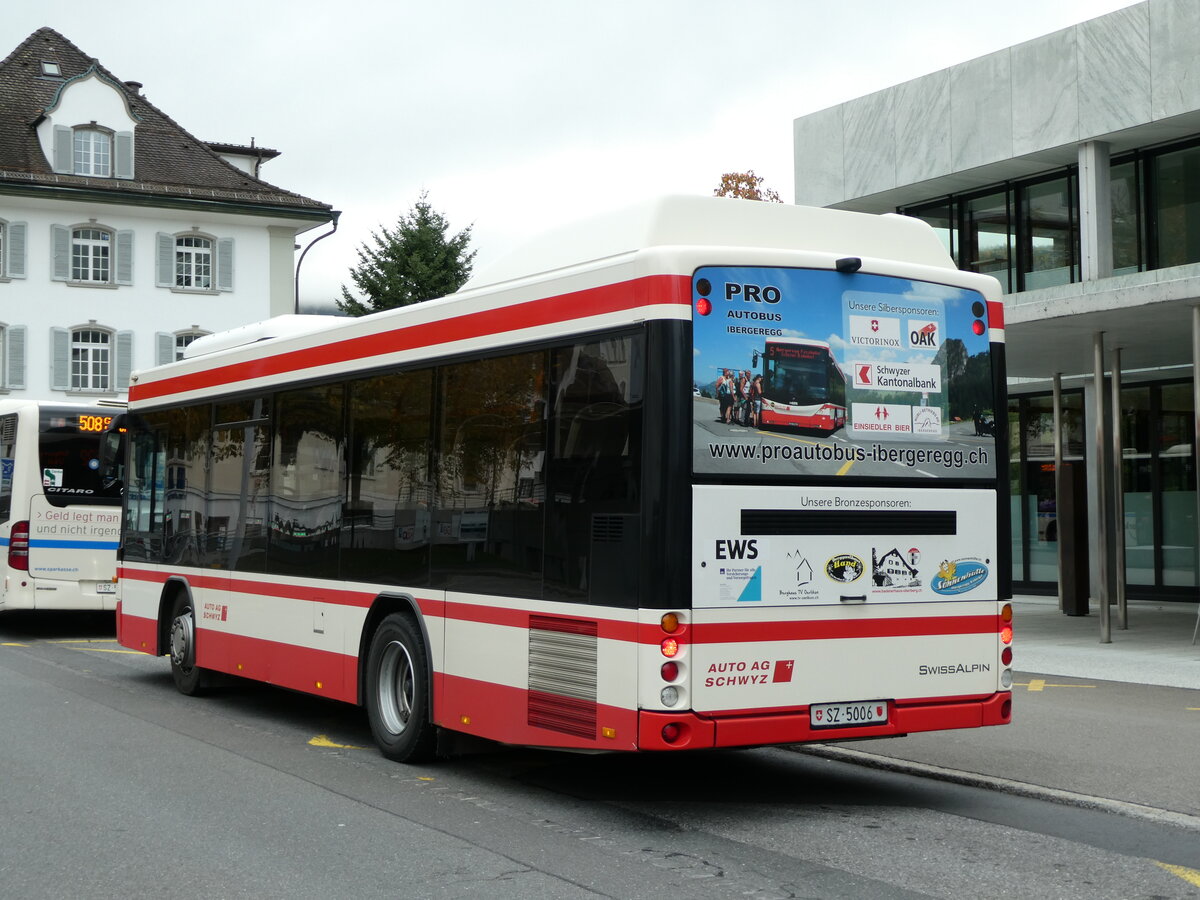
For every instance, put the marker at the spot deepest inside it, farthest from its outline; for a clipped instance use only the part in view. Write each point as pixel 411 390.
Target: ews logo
pixel 730 549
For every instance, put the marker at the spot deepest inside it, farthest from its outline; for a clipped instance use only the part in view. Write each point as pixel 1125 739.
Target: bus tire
pixel 397 694
pixel 190 679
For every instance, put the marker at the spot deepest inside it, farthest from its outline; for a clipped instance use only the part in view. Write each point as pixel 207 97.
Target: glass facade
pixel 1026 232
pixel 1032 480
pixel 1158 480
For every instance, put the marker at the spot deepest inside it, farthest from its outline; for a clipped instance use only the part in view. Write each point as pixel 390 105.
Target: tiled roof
pixel 168 162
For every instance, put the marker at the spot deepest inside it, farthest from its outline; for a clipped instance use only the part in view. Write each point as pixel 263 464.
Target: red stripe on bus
pixel 623 297
pixel 237 585
pixel 608 629
pixel 995 311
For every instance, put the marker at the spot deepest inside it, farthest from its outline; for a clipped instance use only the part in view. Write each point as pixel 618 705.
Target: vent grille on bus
pixel 562 675
pixel 849 521
pixel 608 529
pixel 8 429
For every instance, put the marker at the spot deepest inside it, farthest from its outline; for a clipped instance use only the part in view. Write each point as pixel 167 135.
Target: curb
pixel 1005 785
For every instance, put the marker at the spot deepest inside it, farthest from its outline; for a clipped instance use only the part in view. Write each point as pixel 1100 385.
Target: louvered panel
pixel 562 675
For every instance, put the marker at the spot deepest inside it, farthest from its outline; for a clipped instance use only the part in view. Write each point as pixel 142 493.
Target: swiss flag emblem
pixel 819 715
pixel 783 670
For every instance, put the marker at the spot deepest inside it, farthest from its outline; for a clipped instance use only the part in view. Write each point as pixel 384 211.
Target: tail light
pixel 672 647
pixel 18 546
pixel 1006 654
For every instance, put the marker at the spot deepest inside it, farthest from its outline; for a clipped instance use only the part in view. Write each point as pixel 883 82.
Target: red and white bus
pixel 59 518
pixel 507 513
pixel 802 386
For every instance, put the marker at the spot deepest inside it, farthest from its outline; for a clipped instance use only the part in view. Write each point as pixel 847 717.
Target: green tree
pixel 413 262
pixel 746 185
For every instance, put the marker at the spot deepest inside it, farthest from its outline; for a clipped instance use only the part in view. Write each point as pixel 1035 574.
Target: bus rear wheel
pixel 189 678
pixel 397 692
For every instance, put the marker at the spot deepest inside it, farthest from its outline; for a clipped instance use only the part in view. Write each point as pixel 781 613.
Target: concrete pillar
pixel 1100 468
pixel 1095 211
pixel 1058 478
pixel 1118 496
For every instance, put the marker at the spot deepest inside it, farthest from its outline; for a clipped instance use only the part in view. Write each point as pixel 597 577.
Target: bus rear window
pixel 816 373
pixel 69 454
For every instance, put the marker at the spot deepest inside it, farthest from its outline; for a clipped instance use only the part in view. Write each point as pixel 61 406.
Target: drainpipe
pixel 335 215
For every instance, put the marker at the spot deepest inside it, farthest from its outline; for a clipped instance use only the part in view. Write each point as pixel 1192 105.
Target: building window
pixel 91 360
pixel 91 255
pixel 183 339
pixel 93 152
pixel 1127 231
pixel 1048 236
pixel 194 262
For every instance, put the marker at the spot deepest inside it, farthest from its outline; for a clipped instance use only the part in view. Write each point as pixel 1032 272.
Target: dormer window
pixel 93 152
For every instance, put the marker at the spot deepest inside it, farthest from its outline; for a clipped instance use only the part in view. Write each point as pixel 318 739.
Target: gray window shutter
pixel 124 359
pixel 64 150
pixel 60 359
pixel 60 256
pixel 164 348
pixel 14 356
pixel 164 275
pixel 124 254
pixel 124 155
pixel 225 264
pixel 14 266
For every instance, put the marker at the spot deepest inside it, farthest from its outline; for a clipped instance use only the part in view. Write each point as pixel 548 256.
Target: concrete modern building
pixel 122 236
pixel 1069 168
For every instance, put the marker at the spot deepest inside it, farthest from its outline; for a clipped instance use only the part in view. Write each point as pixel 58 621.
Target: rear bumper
pixel 696 732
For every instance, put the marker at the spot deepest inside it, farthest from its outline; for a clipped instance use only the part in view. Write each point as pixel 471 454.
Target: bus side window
pixel 144 492
pixel 593 495
pixel 8 448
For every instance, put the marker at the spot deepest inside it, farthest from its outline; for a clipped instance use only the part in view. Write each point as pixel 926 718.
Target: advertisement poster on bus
pixel 813 372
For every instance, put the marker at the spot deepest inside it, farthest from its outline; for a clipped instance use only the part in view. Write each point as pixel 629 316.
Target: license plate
pixel 106 587
pixel 847 715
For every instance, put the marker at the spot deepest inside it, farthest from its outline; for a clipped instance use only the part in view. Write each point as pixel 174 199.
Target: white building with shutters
pixel 122 236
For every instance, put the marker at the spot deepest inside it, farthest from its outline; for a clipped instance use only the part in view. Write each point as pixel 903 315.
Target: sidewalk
pixel 1156 648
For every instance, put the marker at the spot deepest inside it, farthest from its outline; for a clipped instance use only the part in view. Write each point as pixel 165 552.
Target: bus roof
pixel 721 222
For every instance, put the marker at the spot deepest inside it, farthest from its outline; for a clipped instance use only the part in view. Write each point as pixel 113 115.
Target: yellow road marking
pixel 85 641
pixel 109 650
pixel 846 468
pixel 1037 684
pixel 323 741
pixel 1191 876
pixel 13 644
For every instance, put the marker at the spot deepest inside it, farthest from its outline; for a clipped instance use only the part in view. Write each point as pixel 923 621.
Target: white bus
pixel 508 513
pixel 59 517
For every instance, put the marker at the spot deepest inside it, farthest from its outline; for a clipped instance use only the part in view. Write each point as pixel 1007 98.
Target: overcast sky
pixel 517 115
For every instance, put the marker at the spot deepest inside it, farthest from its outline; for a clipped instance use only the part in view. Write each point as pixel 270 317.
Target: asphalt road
pixel 117 786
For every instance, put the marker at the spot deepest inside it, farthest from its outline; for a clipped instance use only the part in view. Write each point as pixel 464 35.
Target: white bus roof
pixel 721 222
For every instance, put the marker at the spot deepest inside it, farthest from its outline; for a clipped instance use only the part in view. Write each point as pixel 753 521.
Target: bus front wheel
pixel 398 692
pixel 189 678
